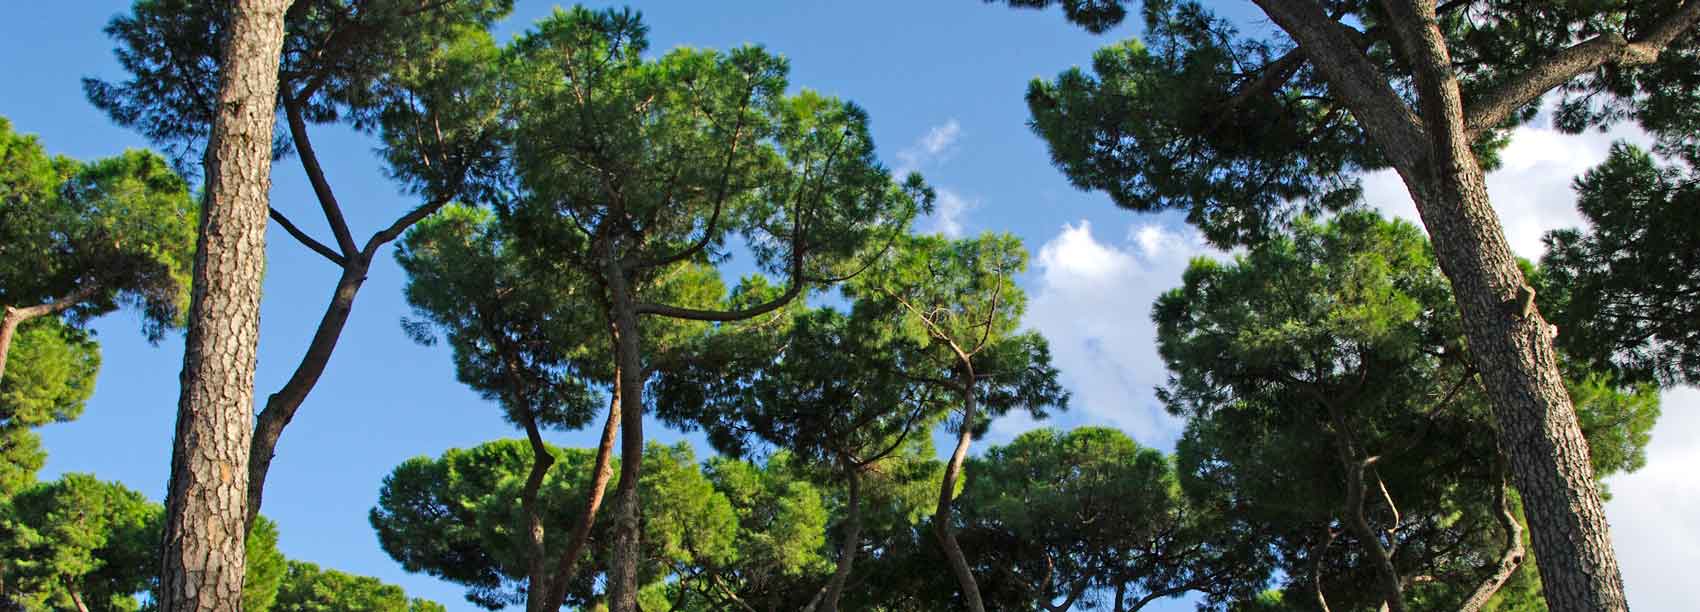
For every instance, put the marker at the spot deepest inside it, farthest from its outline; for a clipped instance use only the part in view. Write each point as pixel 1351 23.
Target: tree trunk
pixel 1537 422
pixel 848 548
pixel 281 406
pixel 603 472
pixel 538 585
pixel 625 554
pixel 202 560
pixel 1510 347
pixel 947 491
pixel 1353 465
pixel 9 322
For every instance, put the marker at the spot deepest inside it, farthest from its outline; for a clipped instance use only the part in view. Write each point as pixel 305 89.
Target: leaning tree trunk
pixel 625 553
pixel 11 317
pixel 1507 338
pixel 202 560
pixel 947 496
pixel 1512 348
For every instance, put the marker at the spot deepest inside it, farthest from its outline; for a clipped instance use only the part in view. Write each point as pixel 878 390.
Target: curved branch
pixel 316 176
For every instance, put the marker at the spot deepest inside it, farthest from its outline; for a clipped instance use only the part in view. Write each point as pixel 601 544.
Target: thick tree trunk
pixel 848 548
pixel 1537 422
pixel 202 560
pixel 625 554
pixel 601 474
pixel 281 406
pixel 947 496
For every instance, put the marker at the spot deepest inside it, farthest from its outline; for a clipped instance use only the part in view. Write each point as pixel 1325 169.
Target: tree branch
pixel 306 240
pixel 316 176
pixel 1334 51
pixel 1610 48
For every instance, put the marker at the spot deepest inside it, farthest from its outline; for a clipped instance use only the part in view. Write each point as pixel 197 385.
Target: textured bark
pixel 603 472
pixel 625 551
pixel 947 490
pixel 1512 350
pixel 202 560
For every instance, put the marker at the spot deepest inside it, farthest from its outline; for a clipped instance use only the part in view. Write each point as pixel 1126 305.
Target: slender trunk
pixel 1345 445
pixel 202 564
pixel 1536 420
pixel 947 495
pixel 624 557
pixel 1316 568
pixel 1509 560
pixel 281 406
pixel 1121 595
pixel 848 548
pixel 538 585
pixel 76 597
pixel 601 474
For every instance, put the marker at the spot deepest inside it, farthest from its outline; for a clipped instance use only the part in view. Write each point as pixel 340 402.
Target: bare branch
pixel 306 240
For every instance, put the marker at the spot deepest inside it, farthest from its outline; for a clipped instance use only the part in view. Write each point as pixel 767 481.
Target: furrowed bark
pixel 941 517
pixel 281 406
pixel 601 474
pixel 623 563
pixel 202 564
pixel 1537 422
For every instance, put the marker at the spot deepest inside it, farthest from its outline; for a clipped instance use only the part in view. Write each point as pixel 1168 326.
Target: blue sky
pixel 943 82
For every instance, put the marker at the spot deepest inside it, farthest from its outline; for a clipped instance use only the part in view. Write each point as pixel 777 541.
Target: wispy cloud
pixel 932 148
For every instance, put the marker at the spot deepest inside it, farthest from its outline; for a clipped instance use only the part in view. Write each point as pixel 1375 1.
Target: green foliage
pixel 1083 515
pixel 519 337
pixel 120 230
pixel 78 537
pixel 1623 294
pixel 1339 340
pixel 264 564
pixel 307 588
pixel 49 375
pixel 954 304
pixel 458 517
pixel 365 62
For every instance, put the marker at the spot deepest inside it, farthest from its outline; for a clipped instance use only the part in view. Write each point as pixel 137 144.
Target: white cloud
pixel 1655 512
pixel 1531 191
pixel 1092 300
pixel 948 212
pixel 934 147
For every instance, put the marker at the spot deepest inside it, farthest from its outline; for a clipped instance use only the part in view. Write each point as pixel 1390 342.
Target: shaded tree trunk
pixel 947 496
pixel 202 562
pixel 625 550
pixel 849 547
pixel 1353 464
